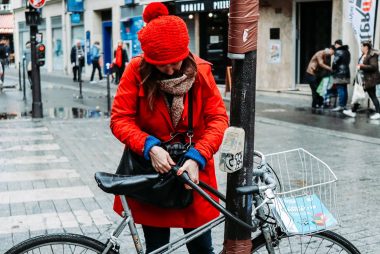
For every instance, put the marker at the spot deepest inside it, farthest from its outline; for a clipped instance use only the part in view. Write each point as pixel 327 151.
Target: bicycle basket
pixel 305 202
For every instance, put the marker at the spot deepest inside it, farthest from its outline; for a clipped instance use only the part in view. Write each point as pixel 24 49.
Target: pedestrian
pixel 151 105
pixel 28 62
pixel 77 60
pixel 120 60
pixel 3 58
pixel 341 73
pixel 95 55
pixel 368 69
pixel 319 67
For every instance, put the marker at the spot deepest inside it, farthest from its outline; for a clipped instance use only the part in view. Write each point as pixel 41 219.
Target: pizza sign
pixel 37 3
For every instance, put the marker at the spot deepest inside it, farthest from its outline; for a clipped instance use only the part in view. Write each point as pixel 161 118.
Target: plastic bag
pixel 358 93
pixel 325 84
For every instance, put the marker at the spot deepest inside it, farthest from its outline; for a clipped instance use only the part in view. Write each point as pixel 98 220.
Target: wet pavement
pixel 61 155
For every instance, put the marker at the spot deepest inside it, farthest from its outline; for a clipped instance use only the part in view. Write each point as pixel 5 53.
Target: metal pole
pixel 80 80
pixel 242 51
pixel 108 90
pixel 19 76
pixel 36 81
pixel 23 78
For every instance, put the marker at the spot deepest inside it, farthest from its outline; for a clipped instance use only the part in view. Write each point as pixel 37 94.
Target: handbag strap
pixel 190 130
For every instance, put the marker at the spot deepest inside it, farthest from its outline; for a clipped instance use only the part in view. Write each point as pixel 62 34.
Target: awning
pixel 144 2
pixel 6 24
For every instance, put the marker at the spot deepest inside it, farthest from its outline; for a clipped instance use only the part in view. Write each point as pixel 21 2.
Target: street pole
pixel 33 20
pixel 108 90
pixel 80 77
pixel 23 78
pixel 242 47
pixel 19 76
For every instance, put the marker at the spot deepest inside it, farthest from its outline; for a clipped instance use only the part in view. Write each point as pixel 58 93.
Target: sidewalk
pixel 54 162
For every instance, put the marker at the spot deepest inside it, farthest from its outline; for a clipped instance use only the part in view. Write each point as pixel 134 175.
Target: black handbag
pixel 166 191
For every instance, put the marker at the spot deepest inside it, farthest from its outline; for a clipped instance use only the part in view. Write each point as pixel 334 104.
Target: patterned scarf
pixel 178 87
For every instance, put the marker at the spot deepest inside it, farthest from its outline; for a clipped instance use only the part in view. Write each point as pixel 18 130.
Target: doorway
pixel 107 43
pixel 214 42
pixel 313 26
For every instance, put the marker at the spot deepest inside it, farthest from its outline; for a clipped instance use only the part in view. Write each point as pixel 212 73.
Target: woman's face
pixel 169 69
pixel 364 49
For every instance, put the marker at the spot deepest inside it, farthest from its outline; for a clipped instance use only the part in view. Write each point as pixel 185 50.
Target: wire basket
pixel 305 200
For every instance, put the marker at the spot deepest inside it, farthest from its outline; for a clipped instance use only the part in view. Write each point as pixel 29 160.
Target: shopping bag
pixel 358 93
pixel 325 84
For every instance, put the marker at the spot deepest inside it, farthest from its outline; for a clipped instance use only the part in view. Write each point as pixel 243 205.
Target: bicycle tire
pixel 50 244
pixel 327 240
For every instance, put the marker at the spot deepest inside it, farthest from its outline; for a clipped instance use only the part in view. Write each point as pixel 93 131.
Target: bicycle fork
pixel 265 228
pixel 127 219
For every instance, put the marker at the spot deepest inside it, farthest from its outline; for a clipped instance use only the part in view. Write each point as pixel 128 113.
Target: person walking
pixel 95 55
pixel 28 62
pixel 151 105
pixel 77 60
pixel 3 58
pixel 120 60
pixel 368 69
pixel 341 73
pixel 319 66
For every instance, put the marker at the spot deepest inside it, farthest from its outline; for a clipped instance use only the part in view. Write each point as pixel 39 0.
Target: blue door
pixel 107 43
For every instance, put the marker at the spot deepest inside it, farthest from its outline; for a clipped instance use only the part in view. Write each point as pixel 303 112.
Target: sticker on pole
pixel 37 3
pixel 232 150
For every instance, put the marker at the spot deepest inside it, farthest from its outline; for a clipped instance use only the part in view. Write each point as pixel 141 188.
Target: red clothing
pixel 132 122
pixel 119 56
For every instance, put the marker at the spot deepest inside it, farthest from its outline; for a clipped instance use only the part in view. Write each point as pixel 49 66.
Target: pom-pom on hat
pixel 165 38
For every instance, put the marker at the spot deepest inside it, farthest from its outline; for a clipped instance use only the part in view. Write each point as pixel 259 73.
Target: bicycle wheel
pixel 57 244
pixel 323 242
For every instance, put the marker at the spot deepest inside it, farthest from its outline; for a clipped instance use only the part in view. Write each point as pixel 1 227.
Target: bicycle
pixel 272 220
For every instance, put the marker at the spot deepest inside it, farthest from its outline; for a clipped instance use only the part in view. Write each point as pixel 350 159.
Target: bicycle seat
pixel 122 184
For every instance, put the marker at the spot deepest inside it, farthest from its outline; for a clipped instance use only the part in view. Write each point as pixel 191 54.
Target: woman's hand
pixel 161 160
pixel 192 168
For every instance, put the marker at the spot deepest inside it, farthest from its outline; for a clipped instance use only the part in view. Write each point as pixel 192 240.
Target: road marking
pixel 274 110
pixel 22 196
pixel 44 221
pixel 37 175
pixel 23 130
pixel 34 160
pixel 16 139
pixel 39 147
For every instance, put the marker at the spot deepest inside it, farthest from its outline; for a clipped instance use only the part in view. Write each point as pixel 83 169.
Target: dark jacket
pixel 341 63
pixel 370 70
pixel 3 51
pixel 73 55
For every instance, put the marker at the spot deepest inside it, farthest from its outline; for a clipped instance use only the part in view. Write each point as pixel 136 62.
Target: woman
pixel 120 59
pixel 151 104
pixel 369 70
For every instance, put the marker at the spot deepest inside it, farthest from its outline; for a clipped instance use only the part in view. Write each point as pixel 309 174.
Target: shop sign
pixel 201 6
pixel 75 6
pixel 75 18
pixel 363 19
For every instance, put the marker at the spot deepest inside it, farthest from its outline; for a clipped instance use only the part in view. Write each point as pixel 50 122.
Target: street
pixel 47 166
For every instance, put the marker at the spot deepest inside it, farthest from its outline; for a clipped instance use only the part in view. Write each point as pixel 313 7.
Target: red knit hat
pixel 165 38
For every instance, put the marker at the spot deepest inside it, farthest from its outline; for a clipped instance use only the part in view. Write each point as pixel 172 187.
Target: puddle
pixel 72 113
pixel 58 112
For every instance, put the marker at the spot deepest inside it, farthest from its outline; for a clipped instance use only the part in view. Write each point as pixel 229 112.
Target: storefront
pixel 209 41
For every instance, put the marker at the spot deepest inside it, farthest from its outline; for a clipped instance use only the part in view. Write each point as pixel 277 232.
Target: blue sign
pixel 75 18
pixel 129 32
pixel 75 6
pixel 88 47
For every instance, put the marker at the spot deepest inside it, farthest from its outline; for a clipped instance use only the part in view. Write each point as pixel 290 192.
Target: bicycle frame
pixel 180 241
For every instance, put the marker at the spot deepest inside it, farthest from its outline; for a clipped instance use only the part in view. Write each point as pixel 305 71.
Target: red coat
pixel 132 122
